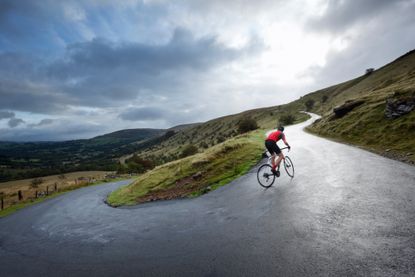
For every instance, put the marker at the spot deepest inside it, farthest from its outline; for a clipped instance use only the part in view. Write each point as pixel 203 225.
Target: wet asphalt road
pixel 347 212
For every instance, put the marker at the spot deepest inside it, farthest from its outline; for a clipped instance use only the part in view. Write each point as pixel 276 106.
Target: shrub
pixel 324 98
pixel 203 144
pixel 36 182
pixel 287 119
pixel 137 164
pixel 221 138
pixel 189 150
pixel 247 124
pixel 169 134
pixel 309 104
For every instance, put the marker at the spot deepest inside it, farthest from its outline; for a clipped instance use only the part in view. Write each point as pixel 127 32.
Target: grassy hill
pixel 367 125
pixel 222 154
pixel 213 132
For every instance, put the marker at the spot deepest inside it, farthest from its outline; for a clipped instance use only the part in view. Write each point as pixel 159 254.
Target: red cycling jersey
pixel 276 136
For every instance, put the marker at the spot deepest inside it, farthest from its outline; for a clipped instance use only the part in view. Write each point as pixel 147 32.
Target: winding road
pixel 347 212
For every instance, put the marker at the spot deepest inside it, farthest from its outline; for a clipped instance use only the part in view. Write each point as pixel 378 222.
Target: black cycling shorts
pixel 272 147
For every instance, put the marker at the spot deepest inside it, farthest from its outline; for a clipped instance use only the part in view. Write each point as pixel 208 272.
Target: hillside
pixel 213 132
pixel 32 159
pixel 374 88
pixel 371 99
pixel 362 107
pixel 220 154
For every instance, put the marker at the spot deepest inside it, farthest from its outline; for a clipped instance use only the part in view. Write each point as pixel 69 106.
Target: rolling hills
pixel 33 159
pixel 356 112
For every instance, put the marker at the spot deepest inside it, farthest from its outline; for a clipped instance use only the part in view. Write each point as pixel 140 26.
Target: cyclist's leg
pixel 273 156
pixel 270 145
pixel 280 156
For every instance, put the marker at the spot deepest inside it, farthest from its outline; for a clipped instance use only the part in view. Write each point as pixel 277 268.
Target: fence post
pixel 47 190
pixel 2 201
pixel 56 187
pixel 20 195
pixel 35 194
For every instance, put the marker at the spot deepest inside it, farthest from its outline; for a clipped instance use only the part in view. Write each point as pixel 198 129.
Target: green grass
pixel 217 130
pixel 366 126
pixel 23 204
pixel 218 165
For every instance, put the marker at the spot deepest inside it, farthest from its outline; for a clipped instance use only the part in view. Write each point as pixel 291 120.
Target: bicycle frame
pixel 283 157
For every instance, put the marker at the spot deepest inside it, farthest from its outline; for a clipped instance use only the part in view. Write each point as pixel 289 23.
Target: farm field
pixel 15 192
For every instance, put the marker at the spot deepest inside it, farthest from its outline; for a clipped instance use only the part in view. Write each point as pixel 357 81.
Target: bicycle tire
pixel 289 166
pixel 265 176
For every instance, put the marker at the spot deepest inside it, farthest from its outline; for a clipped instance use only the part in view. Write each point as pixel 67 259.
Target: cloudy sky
pixel 76 69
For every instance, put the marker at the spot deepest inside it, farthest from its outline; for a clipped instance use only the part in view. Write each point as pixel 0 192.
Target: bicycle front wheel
pixel 265 176
pixel 289 166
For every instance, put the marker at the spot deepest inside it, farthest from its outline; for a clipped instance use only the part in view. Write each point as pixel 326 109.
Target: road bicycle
pixel 265 175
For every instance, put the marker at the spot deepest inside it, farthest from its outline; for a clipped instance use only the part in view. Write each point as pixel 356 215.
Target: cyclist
pixel 274 150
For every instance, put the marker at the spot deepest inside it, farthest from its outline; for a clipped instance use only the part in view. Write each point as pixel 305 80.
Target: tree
pixel 36 182
pixel 169 134
pixel 189 150
pixel 137 164
pixel 247 124
pixel 203 144
pixel 221 138
pixel 309 104
pixel 287 119
pixel 369 71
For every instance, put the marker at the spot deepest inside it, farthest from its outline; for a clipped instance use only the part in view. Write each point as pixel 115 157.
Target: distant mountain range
pixel 30 159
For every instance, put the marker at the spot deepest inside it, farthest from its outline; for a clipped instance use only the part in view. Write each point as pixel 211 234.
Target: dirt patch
pixel 182 188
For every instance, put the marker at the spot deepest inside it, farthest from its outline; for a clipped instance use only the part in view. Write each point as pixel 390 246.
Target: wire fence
pixel 10 196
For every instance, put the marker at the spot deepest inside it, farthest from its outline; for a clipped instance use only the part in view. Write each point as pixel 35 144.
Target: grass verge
pixel 368 128
pixel 194 175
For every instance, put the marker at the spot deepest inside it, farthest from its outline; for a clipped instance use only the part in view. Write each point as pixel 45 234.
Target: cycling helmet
pixel 280 128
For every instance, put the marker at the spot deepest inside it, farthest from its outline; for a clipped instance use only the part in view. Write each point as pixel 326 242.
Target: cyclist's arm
pixel 285 141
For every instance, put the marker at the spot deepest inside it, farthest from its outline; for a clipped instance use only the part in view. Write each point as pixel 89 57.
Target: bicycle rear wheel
pixel 289 166
pixel 265 176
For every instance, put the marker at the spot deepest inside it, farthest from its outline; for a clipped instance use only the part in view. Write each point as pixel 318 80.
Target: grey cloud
pixel 182 51
pixel 342 14
pixel 6 114
pixel 43 122
pixel 371 48
pixel 14 122
pixel 143 114
pixel 100 73
pixel 168 116
pixel 58 130
pixel 39 21
pixel 32 97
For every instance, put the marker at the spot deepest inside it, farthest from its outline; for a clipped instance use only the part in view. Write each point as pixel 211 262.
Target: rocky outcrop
pixel 348 106
pixel 197 176
pixel 396 107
